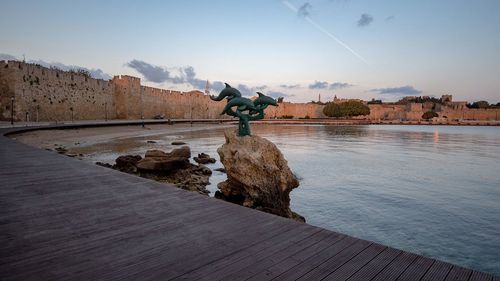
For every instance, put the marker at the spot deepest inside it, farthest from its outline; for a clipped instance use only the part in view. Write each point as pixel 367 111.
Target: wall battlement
pixel 45 94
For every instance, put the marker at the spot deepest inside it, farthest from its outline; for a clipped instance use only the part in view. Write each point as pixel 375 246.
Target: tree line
pixel 346 109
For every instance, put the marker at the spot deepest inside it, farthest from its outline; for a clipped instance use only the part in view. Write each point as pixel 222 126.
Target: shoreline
pixel 31 126
pixel 341 122
pixel 85 133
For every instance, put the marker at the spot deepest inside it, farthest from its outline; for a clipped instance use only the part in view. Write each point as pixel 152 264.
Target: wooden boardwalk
pixel 64 219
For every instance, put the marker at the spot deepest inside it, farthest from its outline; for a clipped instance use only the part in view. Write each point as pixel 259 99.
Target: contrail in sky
pixel 322 29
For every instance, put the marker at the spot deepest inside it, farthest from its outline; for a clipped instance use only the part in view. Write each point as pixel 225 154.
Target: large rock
pixel 159 161
pixel 127 163
pixel 258 175
pixel 184 151
pixel 151 164
pixel 172 167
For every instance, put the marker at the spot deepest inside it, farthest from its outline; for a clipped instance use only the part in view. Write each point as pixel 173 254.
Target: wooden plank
pixel 438 271
pixel 279 245
pixel 208 262
pixel 251 269
pixel 480 276
pixel 296 259
pixel 311 263
pixel 337 261
pixel 458 273
pixel 350 268
pixel 417 269
pixel 376 265
pixel 188 262
pixel 396 267
pixel 253 249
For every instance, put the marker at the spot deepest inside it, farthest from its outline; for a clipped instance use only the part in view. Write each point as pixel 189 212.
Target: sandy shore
pixel 105 144
pixel 48 139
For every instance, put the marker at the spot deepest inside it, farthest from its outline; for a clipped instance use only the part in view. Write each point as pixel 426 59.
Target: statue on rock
pixel 258 175
pixel 255 109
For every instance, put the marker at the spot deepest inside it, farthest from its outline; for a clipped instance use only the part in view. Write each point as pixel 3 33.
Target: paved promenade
pixel 65 219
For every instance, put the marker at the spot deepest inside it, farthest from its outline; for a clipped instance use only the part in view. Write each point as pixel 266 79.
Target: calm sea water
pixel 432 190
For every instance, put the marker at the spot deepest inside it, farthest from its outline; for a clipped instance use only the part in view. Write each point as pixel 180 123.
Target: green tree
pixel 429 115
pixel 479 104
pixel 346 109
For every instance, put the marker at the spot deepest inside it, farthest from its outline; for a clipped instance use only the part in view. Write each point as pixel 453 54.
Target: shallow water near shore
pixel 432 190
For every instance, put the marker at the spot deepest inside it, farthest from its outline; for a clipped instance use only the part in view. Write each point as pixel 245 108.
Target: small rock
pixel 71 155
pixel 178 143
pixel 151 141
pixel 61 150
pixel 204 158
pixel 104 164
pixel 222 170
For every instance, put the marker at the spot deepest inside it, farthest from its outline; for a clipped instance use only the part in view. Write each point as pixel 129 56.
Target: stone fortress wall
pixel 43 94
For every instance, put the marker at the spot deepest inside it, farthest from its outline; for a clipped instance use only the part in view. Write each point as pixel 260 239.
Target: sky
pixel 382 49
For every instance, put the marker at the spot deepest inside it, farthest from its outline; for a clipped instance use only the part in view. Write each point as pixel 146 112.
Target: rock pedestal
pixel 258 175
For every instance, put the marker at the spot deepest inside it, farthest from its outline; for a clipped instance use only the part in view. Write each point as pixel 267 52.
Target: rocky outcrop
pixel 127 163
pixel 258 175
pixel 173 167
pixel 204 158
pixel 193 178
pixel 158 161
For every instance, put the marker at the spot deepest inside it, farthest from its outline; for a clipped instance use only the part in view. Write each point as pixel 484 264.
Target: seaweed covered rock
pixel 160 161
pixel 204 158
pixel 258 175
pixel 127 163
pixel 170 167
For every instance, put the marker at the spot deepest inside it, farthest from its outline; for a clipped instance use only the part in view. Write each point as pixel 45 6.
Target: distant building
pixel 337 100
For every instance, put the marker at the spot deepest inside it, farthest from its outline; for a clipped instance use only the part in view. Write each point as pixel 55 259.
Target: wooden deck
pixel 64 219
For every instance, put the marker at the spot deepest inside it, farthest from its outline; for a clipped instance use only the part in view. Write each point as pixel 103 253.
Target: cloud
pixel 365 20
pixel 7 57
pixel 318 85
pixel 285 86
pixel 151 73
pixel 404 91
pixel 277 94
pixel 339 85
pixel 304 10
pixel 94 72
pixel 217 86
pixel 325 85
pixel 244 89
pixel 390 18
pixel 185 75
pixel 190 78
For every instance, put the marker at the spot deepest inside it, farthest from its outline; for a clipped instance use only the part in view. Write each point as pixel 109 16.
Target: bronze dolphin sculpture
pixel 241 103
pixel 228 92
